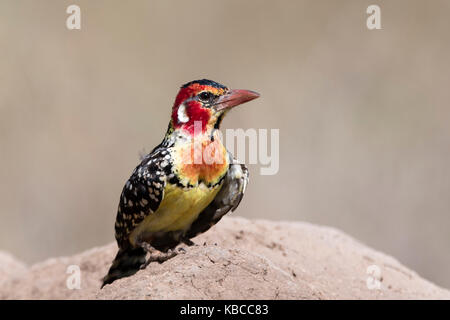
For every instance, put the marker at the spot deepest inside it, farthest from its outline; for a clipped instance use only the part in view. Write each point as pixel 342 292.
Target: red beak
pixel 234 98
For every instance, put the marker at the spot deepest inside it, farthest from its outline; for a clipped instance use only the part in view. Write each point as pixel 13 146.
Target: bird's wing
pixel 142 194
pixel 228 198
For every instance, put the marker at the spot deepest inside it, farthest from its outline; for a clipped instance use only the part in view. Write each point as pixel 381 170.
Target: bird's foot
pixel 154 254
pixel 158 256
pixel 171 253
pixel 148 248
pixel 162 257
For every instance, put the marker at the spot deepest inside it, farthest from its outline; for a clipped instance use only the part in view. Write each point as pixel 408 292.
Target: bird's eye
pixel 206 96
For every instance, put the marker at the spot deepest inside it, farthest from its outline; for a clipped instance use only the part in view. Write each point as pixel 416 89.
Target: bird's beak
pixel 234 98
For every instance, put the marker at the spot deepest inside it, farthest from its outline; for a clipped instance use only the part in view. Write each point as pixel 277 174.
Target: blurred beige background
pixel 363 115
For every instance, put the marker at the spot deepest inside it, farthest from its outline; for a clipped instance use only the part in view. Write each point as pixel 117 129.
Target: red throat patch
pixel 194 117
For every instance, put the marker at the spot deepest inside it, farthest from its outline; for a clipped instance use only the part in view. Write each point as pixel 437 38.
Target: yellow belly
pixel 177 211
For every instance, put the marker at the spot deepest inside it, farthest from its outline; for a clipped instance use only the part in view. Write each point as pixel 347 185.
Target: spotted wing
pixel 142 193
pixel 228 198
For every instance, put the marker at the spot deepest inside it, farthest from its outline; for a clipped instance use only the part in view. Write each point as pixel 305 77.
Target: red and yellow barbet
pixel 184 186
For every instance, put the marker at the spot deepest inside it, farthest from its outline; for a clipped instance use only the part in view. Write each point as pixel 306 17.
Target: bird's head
pixel 205 102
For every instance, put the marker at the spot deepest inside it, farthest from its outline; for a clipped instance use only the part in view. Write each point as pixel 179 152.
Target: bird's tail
pixel 127 262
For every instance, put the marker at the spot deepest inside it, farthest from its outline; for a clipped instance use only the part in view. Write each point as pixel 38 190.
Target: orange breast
pixel 203 160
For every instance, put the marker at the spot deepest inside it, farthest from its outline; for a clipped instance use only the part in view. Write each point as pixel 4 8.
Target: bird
pixel 184 186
